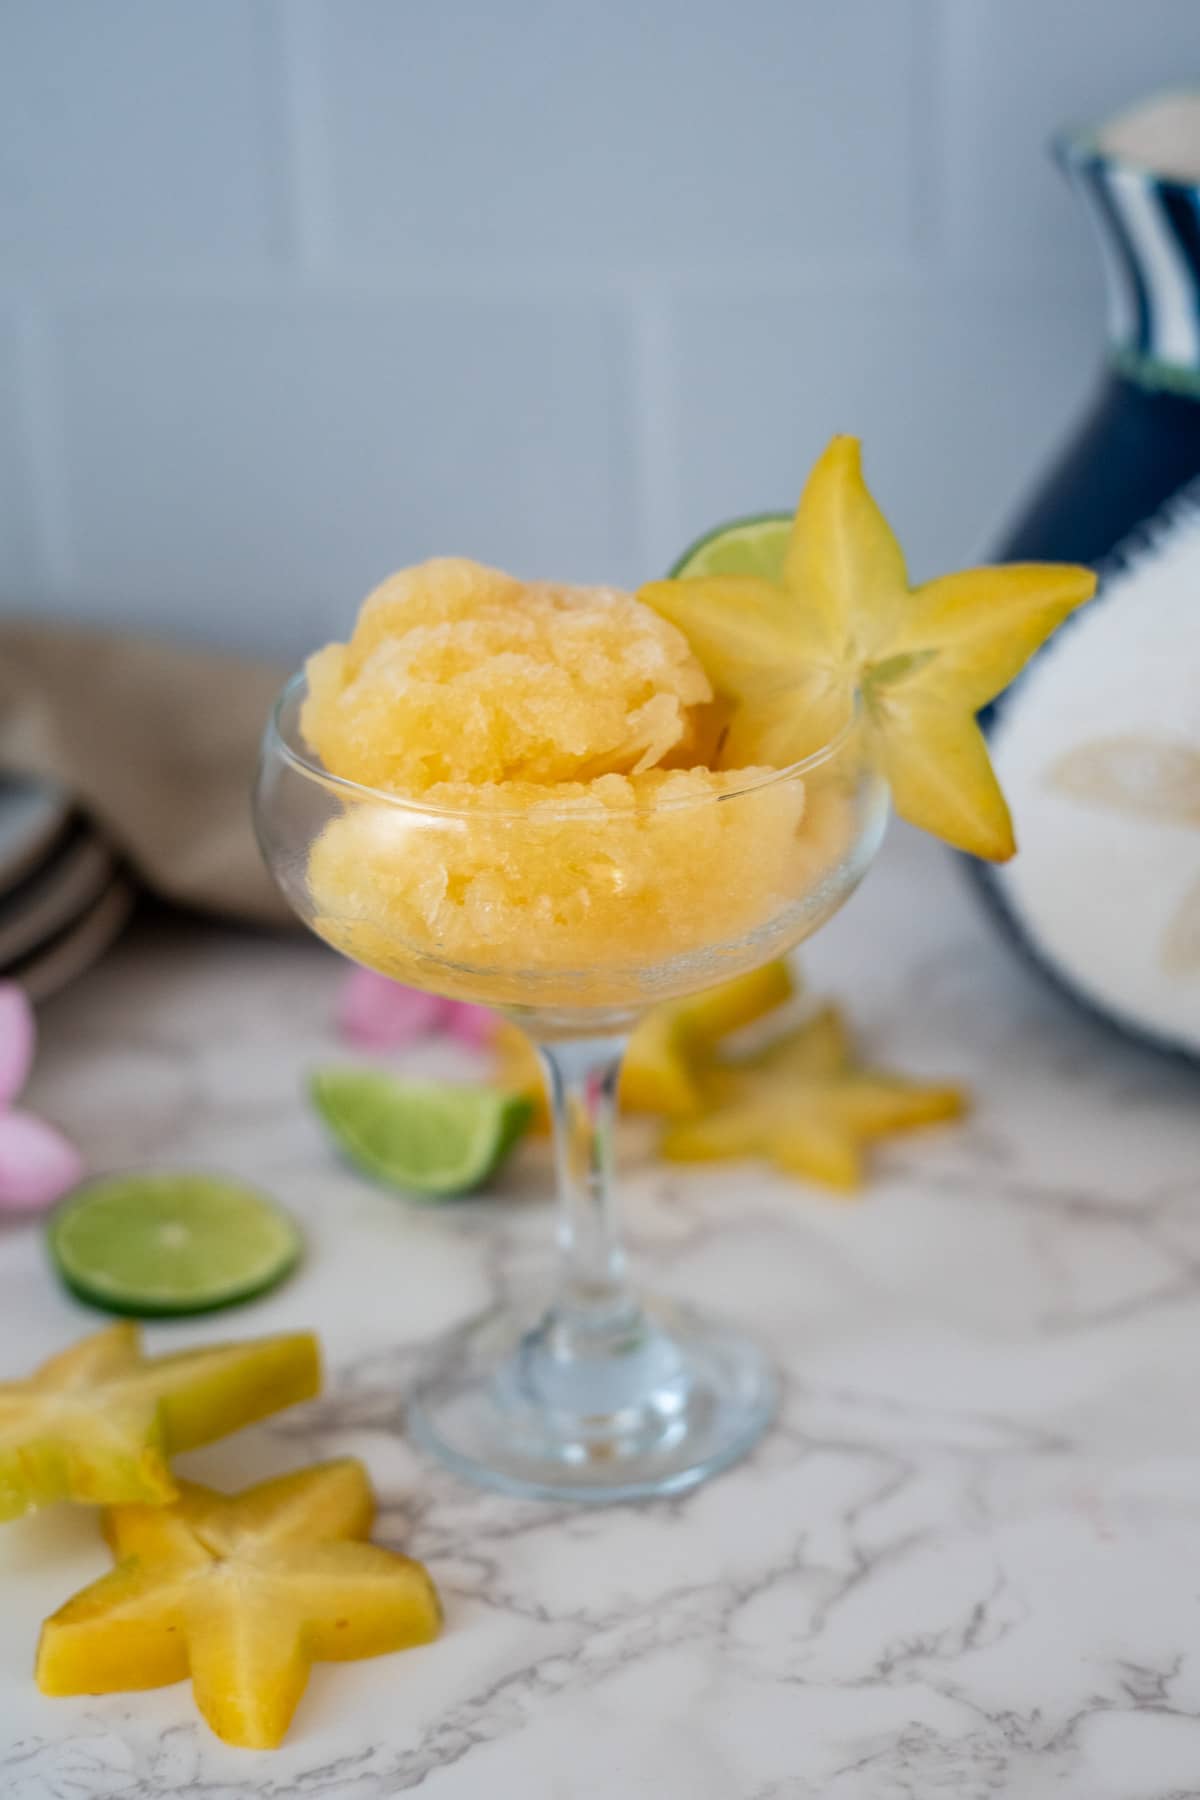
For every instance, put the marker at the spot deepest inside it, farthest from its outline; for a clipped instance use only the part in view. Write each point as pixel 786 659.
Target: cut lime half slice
pixel 430 1138
pixel 750 546
pixel 162 1243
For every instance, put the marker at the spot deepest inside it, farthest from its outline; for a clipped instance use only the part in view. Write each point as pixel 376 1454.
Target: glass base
pixel 650 1401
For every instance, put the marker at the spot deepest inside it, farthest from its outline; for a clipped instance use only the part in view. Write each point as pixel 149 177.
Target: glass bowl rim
pixel 277 739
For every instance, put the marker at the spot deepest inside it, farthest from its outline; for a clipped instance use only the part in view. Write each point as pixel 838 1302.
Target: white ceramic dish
pixel 33 814
pixel 67 885
pixel 74 950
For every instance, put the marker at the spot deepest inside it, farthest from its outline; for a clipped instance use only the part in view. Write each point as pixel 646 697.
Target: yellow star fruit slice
pixel 807 1106
pixel 243 1593
pixel 789 653
pixel 660 1073
pixel 97 1423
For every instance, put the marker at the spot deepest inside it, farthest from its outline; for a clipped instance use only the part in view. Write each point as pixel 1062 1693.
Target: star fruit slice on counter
pixel 808 1106
pixel 97 1423
pixel 660 1073
pixel 788 653
pixel 243 1592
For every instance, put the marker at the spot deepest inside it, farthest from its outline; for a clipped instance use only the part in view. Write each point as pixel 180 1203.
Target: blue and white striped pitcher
pixel 1098 745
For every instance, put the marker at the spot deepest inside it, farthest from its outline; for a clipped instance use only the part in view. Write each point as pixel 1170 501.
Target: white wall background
pixel 295 291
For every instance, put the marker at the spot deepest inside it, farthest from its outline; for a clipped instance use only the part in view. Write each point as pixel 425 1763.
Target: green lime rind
pixel 753 545
pixel 162 1244
pixel 435 1140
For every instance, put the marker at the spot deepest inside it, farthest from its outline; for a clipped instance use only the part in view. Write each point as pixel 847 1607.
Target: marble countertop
pixel 965 1563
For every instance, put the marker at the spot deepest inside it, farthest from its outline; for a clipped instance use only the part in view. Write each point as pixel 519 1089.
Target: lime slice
pixel 752 546
pixel 160 1243
pixel 433 1138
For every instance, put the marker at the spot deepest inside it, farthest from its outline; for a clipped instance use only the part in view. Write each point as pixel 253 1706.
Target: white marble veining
pixel 967 1561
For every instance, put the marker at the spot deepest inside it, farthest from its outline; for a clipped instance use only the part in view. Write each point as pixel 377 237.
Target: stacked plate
pixel 64 895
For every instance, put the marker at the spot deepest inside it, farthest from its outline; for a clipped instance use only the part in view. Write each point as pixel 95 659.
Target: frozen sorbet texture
pixel 459 673
pixel 562 826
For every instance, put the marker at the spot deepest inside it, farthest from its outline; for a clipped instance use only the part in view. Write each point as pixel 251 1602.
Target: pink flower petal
pixel 18 1036
pixel 474 1026
pixel 377 1014
pixel 37 1164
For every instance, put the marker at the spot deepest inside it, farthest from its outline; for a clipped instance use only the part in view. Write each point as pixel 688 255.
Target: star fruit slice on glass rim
pixel 788 654
pixel 97 1422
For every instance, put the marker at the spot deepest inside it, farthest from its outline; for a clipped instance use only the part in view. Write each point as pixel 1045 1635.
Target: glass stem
pixel 581 1080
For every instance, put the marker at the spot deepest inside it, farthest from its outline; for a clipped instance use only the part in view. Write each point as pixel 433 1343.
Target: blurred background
pixel 295 291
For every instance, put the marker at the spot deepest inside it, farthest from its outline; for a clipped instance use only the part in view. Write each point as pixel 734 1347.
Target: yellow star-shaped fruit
pixel 806 1105
pixel 243 1592
pixel 666 1051
pixel 98 1422
pixel 788 654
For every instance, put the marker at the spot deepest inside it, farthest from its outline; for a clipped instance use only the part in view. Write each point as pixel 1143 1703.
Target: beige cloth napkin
pixel 158 743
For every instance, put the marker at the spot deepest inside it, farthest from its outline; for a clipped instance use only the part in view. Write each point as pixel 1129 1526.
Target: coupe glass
pixel 572 918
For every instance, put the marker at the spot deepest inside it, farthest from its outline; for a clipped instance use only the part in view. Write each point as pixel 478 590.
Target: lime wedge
pixel 433 1138
pixel 752 546
pixel 159 1243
